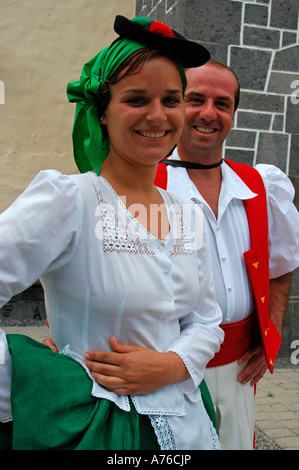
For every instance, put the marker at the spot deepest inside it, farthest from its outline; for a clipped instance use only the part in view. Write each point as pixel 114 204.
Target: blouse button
pixel 169 298
pixel 166 271
pixel 223 258
pixel 229 288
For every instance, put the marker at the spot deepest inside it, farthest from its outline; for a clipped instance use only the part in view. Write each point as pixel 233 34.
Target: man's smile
pixel 205 130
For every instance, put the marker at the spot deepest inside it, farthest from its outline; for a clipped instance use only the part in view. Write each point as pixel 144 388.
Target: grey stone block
pixel 253 120
pixel 294 157
pixel 273 149
pixel 261 102
pixel 281 82
pixel 238 138
pixel 261 37
pixel 292 117
pixel 158 12
pixel 295 182
pixel 278 123
pixel 291 321
pixel 284 14
pixel 170 4
pixel 251 67
pixel 287 59
pixel 241 156
pixel 288 38
pixel 142 7
pixel 256 14
pixel 217 51
pixel 218 21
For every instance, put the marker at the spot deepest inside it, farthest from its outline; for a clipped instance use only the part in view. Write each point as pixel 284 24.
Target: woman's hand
pixel 48 341
pixel 134 370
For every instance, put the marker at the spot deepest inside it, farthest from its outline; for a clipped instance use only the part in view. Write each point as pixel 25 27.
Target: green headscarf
pixel 90 147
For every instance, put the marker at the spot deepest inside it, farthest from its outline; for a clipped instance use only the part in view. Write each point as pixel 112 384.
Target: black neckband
pixel 191 165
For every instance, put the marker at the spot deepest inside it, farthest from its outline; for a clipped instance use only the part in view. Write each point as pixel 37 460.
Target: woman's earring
pixel 101 119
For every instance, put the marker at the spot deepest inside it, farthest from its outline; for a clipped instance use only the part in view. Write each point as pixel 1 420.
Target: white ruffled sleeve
pixel 38 232
pixel 283 219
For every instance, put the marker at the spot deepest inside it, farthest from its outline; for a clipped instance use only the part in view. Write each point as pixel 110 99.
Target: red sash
pixel 237 340
pixel 257 258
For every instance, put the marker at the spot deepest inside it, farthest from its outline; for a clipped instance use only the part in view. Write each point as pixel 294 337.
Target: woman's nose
pixel 156 112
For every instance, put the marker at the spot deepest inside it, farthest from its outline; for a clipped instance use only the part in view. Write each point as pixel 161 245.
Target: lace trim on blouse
pixel 163 432
pixel 6 420
pixel 121 237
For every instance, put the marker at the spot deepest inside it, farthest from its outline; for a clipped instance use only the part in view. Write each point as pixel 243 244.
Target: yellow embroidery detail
pixel 256 264
pixel 263 299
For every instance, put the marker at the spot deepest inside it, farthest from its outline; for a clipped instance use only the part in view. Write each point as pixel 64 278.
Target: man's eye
pixel 223 104
pixel 195 101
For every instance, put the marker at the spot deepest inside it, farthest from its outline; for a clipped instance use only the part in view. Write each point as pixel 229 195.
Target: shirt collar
pixel 232 186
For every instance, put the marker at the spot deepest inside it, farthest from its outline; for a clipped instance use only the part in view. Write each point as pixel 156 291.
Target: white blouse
pixel 229 233
pixel 104 274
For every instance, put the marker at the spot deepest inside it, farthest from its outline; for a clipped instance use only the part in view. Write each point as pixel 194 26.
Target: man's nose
pixel 208 112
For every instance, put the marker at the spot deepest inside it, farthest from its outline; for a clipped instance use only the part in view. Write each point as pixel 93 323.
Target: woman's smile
pixel 153 134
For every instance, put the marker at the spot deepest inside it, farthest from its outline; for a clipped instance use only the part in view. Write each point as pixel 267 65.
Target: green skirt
pixel 53 408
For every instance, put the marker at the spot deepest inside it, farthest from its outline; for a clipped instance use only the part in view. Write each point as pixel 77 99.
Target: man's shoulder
pixel 244 167
pixel 248 174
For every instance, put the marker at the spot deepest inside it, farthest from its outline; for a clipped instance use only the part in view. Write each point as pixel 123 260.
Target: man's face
pixel 209 101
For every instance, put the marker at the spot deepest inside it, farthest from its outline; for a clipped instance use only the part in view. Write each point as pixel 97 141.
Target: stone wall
pixel 259 40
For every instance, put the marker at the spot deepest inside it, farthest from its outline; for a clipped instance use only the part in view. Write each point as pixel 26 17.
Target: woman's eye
pixel 136 101
pixel 171 101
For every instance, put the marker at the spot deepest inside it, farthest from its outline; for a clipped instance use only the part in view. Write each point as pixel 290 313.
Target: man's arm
pixel 279 292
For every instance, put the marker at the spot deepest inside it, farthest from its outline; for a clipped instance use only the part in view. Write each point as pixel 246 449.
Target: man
pixel 228 197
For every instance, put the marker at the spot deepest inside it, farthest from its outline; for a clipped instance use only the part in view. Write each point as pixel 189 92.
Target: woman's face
pixel 145 115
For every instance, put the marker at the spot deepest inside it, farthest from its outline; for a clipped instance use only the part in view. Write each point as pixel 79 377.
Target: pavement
pixel 276 401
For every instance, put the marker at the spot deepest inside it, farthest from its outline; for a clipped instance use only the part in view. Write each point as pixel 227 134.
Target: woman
pixel 119 261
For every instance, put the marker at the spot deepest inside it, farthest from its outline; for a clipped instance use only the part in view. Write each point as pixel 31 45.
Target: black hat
pixel 161 37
